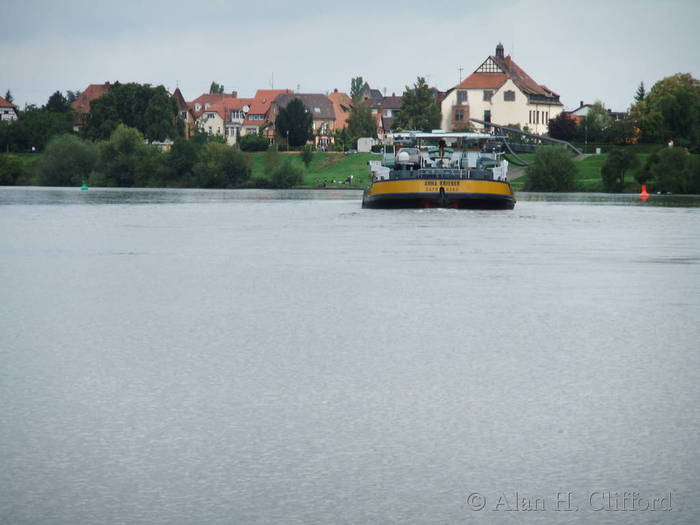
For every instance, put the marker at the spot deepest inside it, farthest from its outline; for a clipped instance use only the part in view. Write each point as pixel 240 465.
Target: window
pixel 461 96
pixel 509 96
pixel 387 113
pixel 487 116
pixel 487 95
pixel 317 110
pixel 459 115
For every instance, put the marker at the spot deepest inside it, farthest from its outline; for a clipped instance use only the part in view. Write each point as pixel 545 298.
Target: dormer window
pixel 317 110
pixel 197 106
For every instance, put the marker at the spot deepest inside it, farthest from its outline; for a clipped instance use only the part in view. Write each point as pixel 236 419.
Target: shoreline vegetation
pixel 219 166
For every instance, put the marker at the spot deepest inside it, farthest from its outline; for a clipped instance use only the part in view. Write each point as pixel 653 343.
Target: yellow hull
pixel 445 193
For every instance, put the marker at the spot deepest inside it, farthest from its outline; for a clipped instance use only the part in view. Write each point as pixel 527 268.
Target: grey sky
pixel 584 50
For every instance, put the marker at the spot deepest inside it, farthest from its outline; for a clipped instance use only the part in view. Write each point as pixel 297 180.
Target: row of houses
pixel 497 91
pixel 233 117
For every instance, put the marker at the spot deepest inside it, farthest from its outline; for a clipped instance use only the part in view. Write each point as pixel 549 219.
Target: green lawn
pixel 331 169
pixel 588 178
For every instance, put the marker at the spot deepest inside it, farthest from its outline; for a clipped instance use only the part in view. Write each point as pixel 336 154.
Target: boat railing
pixel 443 173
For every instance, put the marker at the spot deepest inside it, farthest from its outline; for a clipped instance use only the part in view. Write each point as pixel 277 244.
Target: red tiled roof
pixel 513 71
pixel 263 100
pixel 5 104
pixel 227 105
pixel 342 104
pixel 483 81
pixel 92 92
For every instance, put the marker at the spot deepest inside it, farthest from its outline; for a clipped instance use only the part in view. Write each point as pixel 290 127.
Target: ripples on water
pixel 183 356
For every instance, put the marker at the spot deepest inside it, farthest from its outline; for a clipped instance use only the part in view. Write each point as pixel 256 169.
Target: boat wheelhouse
pixel 438 169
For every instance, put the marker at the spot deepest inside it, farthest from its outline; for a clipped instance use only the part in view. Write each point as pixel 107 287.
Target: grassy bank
pixel 587 177
pixel 326 169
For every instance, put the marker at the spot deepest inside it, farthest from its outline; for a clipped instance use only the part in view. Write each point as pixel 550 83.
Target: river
pixel 259 357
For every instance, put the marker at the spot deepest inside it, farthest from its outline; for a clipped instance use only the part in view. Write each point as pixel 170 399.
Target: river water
pixel 211 357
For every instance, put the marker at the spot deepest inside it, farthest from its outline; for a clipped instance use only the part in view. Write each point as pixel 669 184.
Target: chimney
pixel 581 104
pixel 499 50
pixel 335 90
pixel 234 94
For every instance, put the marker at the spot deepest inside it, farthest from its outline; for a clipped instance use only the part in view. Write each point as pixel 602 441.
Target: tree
pixel 150 110
pixel 618 162
pixel 220 166
pixel 593 127
pixel 286 174
pixel 361 123
pixel 12 169
pixel 670 111
pixel 623 131
pixel 294 123
pixel 641 93
pixel 57 103
pixel 180 161
pixel 9 97
pixel 357 85
pixel 562 127
pixel 159 122
pixel 668 170
pixel 420 110
pixel 72 96
pixel 67 161
pixel 216 89
pixel 553 170
pixel 119 157
pixel 34 128
pixel 307 155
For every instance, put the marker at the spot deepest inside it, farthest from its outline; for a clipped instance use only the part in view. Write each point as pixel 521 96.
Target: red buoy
pixel 644 195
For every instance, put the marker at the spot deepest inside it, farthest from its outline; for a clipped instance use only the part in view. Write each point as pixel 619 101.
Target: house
pixel 222 115
pixel 7 110
pixel 321 109
pixel 184 112
pixel 81 105
pixel 582 110
pixel 385 110
pixel 342 104
pixel 258 117
pixel 501 92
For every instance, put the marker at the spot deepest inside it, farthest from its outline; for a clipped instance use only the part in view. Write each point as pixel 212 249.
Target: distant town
pixel 498 91
pixel 96 124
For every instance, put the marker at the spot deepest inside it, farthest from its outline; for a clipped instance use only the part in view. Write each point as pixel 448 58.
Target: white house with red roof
pixel 7 110
pixel 222 115
pixel 499 91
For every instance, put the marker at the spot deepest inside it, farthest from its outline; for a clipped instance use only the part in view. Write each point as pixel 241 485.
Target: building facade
pixel 499 91
pixel 7 110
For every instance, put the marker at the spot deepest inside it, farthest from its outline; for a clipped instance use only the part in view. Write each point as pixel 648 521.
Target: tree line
pixel 670 111
pixel 125 159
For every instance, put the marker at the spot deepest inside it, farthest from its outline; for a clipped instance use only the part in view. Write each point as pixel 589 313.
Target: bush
pixel 669 171
pixel 553 170
pixel 618 162
pixel 286 174
pixel 220 166
pixel 271 160
pixel 67 161
pixel 12 169
pixel 120 156
pixel 307 155
pixel 253 143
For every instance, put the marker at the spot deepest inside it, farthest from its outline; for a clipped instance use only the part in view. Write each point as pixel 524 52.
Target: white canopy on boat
pixel 439 134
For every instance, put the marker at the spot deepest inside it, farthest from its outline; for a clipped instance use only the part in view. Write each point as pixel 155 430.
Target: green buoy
pixel 84 186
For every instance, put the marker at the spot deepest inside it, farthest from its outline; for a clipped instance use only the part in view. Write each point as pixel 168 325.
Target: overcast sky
pixel 584 50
